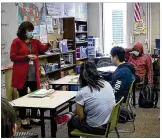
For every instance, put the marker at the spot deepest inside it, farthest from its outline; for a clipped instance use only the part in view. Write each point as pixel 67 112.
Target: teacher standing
pixel 24 55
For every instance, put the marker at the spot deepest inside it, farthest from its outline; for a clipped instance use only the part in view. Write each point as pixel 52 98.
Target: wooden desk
pixel 52 103
pixel 66 80
pixel 107 69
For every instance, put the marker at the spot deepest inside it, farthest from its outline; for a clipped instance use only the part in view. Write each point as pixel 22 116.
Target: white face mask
pixel 136 53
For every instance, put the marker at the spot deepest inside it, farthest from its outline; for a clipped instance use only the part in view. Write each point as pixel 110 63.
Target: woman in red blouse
pixel 24 55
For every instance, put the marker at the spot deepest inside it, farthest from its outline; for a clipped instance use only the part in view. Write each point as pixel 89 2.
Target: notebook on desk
pixel 41 93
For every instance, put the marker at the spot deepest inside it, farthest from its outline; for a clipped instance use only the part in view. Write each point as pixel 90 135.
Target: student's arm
pixel 80 111
pixel 79 105
pixel 14 53
pixel 42 47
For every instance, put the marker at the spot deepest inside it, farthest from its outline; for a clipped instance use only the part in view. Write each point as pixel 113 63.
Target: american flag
pixel 137 15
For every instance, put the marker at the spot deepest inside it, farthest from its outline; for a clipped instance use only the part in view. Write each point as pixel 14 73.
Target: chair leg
pixel 117 132
pixel 132 119
pixel 131 110
pixel 134 96
pixel 129 122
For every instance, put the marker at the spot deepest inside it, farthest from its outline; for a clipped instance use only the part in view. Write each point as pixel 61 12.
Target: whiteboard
pixel 9 26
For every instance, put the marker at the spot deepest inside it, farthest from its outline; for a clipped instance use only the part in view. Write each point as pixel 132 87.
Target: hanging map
pixel 140 27
pixel 30 12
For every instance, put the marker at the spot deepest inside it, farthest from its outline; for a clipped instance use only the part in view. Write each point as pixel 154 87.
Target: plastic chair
pixel 112 124
pixel 25 135
pixel 128 106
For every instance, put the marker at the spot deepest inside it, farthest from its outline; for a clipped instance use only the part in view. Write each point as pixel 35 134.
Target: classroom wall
pixel 130 22
pixel 95 24
pixel 95 21
pixel 155 23
pixel 153 31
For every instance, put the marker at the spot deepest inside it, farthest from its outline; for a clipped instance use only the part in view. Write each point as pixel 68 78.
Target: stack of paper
pixel 41 93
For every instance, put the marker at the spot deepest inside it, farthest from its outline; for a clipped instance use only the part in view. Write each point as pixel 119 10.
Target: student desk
pixel 67 80
pixel 52 103
pixel 107 69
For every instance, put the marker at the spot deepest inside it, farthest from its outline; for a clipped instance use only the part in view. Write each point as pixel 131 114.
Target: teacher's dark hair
pixel 8 119
pixel 21 33
pixel 89 76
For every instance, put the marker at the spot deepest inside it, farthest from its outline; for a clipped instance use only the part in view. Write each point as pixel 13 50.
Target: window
pixel 114 25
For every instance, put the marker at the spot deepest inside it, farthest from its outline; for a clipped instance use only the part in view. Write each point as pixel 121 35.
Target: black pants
pixel 22 92
pixel 75 123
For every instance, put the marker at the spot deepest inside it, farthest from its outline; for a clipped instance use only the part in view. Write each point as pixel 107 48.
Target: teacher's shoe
pixel 25 124
pixel 35 121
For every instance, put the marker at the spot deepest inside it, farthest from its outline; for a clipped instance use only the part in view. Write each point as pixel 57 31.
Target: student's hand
pixel 32 57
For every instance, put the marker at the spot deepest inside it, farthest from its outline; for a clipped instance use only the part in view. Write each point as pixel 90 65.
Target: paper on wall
pixel 48 20
pixel 50 29
pixel 69 9
pixel 55 10
pixel 43 34
pixel 36 31
pixel 38 5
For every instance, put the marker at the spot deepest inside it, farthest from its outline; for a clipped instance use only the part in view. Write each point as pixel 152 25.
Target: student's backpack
pixel 148 97
pixel 124 115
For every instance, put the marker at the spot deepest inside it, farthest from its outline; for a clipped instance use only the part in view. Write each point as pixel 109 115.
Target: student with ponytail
pixel 94 103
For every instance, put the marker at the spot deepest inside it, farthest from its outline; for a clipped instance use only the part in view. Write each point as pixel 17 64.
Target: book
pixel 41 93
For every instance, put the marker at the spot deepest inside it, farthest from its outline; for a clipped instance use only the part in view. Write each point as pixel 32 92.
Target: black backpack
pixel 124 116
pixel 148 97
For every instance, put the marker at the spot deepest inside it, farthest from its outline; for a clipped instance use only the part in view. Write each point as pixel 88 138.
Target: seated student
pixel 142 63
pixel 123 75
pixel 94 102
pixel 8 119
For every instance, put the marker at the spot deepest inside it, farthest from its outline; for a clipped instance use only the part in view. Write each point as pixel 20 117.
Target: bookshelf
pixel 76 34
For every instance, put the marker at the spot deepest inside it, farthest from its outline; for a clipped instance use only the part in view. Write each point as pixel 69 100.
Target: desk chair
pixel 128 106
pixel 112 124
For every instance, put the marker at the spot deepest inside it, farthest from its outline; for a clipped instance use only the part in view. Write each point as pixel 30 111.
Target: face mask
pixel 29 35
pixel 136 53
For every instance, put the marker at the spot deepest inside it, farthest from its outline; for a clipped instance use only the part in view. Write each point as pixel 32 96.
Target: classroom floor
pixel 147 124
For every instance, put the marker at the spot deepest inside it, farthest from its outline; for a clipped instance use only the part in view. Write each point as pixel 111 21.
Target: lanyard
pixel 30 47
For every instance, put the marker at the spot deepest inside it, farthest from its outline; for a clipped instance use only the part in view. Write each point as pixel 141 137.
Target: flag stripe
pixel 137 15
